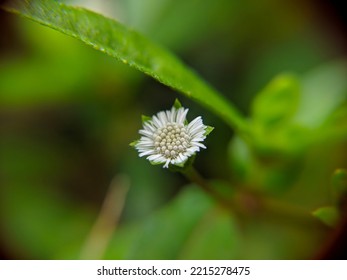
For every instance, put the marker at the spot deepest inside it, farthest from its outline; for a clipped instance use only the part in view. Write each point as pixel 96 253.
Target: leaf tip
pixel 329 215
pixel 177 104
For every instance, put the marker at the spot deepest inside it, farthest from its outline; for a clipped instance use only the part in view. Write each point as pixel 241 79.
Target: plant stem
pixel 289 212
pixel 245 204
pixel 193 175
pixel 107 220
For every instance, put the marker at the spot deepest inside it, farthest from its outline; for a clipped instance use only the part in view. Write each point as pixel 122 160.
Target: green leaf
pixel 270 173
pixel 241 159
pixel 274 132
pixel 190 227
pixel 277 102
pixel 339 180
pixel 214 237
pixel 328 215
pixel 208 130
pixel 335 126
pixel 114 39
pixel 339 184
pixel 145 118
pixel 134 143
pixel 155 163
pixel 177 104
pixel 324 89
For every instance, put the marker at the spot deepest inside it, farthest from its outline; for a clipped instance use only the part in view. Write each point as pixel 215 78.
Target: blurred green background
pixel 68 114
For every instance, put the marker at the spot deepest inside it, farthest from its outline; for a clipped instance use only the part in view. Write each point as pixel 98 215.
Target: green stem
pixel 193 175
pixel 289 212
pixel 106 223
pixel 245 204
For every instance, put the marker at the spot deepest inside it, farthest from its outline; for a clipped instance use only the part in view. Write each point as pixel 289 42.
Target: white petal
pixel 157 122
pixel 149 152
pixel 197 139
pixel 198 124
pixel 181 115
pixel 181 158
pixel 193 149
pixel 166 165
pixel 144 145
pixel 177 113
pixel 156 158
pixel 197 130
pixel 193 122
pixel 199 144
pixel 145 139
pixel 163 118
pixel 169 115
pixel 149 126
pixel 146 133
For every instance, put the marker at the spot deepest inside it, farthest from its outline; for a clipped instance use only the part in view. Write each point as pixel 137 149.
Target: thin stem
pixel 107 220
pixel 193 175
pixel 289 212
pixel 247 204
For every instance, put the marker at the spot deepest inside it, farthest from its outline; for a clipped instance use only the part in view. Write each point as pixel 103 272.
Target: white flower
pixel 167 138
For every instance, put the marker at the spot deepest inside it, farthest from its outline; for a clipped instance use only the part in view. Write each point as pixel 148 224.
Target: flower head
pixel 168 138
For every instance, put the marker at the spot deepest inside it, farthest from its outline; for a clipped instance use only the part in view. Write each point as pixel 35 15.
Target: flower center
pixel 171 140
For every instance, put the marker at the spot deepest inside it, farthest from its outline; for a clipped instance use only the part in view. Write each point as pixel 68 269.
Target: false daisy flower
pixel 168 138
